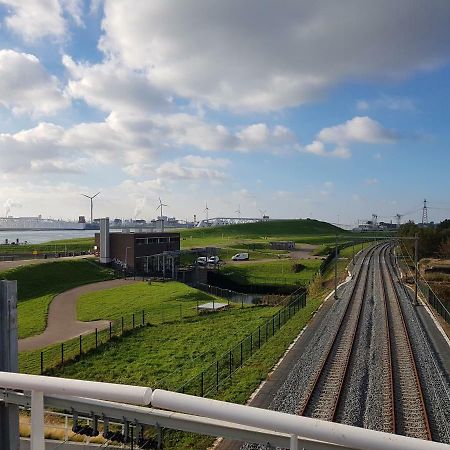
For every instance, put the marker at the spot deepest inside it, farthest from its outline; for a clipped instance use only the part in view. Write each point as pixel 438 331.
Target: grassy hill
pixel 38 283
pixel 298 230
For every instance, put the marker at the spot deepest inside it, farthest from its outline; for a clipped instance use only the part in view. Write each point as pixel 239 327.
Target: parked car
pixel 213 260
pixel 202 260
pixel 240 257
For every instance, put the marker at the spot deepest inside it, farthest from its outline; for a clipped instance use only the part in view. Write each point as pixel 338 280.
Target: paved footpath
pixel 62 323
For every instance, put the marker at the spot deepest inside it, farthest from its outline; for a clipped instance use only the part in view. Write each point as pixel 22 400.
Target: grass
pixel 113 303
pixel 39 283
pixel 272 272
pixel 306 231
pixel 69 245
pixel 167 355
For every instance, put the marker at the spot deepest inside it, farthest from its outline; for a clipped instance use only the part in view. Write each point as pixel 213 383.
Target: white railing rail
pixel 194 414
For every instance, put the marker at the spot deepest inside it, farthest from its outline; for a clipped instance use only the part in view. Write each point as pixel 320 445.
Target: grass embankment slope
pixel 170 300
pixel 298 230
pixel 50 247
pixel 38 283
pixel 273 272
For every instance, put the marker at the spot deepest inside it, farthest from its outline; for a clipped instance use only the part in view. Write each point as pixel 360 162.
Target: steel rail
pixel 408 392
pixel 347 334
pixel 388 385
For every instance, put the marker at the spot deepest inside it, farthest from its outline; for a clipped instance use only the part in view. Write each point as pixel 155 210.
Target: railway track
pixel 409 412
pixel 321 397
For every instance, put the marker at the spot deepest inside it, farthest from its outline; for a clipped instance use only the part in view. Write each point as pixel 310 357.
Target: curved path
pixel 62 323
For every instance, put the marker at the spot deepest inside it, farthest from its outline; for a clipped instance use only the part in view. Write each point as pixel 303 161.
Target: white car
pixel 202 260
pixel 240 257
pixel 213 260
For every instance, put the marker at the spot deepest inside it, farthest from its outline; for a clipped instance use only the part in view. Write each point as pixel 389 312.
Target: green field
pixel 39 283
pixel 168 354
pixel 272 272
pixel 50 247
pixel 158 300
pixel 300 230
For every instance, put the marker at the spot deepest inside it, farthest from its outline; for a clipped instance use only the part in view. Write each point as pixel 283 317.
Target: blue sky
pixel 310 109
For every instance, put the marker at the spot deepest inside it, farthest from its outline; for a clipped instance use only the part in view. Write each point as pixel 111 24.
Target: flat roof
pixel 216 306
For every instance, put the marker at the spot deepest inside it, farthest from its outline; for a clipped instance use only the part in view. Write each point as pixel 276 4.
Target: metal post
pixel 241 351
pixel 201 385
pixel 416 264
pixel 9 414
pixel 293 442
pixel 335 268
pixel 353 252
pixel 42 362
pixel 110 330
pixel 133 321
pixel 37 421
pixel 259 336
pixel 62 352
pixel 81 349
pixel 122 324
pixel 143 317
pixel 217 375
pixel 96 338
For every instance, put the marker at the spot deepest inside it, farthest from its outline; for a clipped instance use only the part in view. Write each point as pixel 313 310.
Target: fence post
pixel 62 352
pixel 231 363
pixel 273 325
pixel 42 363
pixel 96 338
pixel 110 330
pixel 81 348
pixel 251 344
pixel 143 317
pixel 133 321
pixel 122 325
pixel 181 313
pixel 259 336
pixel 242 344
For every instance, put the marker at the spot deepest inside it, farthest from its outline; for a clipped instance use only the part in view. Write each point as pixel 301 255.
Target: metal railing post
pixel 37 421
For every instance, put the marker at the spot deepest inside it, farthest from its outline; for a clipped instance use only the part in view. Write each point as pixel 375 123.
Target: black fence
pixel 437 304
pixel 221 371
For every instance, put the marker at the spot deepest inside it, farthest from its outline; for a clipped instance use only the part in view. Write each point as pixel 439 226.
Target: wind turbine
pixel 262 212
pixel 238 211
pixel 207 215
pixel 160 206
pixel 91 198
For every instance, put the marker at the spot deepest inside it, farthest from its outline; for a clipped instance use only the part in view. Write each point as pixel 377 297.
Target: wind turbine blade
pixel 96 194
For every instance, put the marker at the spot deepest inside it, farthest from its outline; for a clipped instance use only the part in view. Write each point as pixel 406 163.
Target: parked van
pixel 240 257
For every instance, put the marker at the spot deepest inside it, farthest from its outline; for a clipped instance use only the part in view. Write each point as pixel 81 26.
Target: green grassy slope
pixel 39 283
pixel 272 272
pixel 113 303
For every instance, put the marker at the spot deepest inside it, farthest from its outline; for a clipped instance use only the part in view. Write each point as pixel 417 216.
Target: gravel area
pixel 435 381
pixel 364 401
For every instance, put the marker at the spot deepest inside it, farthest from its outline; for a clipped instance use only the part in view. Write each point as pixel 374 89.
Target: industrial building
pixel 146 253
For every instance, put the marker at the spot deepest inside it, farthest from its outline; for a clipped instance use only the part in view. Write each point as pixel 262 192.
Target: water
pixel 37 237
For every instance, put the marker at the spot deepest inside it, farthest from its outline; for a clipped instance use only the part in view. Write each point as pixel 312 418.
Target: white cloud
pixel 318 148
pixel 35 19
pixel 237 54
pixel 25 86
pixel 359 130
pixel 110 86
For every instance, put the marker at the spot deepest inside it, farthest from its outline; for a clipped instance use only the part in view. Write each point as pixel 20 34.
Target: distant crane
pixel 91 198
pixel 262 212
pixel 424 213
pixel 238 211
pixel 160 206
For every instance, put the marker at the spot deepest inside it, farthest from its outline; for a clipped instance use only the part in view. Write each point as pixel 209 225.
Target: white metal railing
pixel 194 414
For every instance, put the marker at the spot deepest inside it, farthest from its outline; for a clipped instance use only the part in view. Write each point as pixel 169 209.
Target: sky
pixel 294 109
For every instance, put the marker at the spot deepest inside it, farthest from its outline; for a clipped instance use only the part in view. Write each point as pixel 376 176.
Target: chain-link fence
pixel 213 377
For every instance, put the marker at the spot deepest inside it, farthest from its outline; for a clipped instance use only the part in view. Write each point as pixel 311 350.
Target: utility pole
pixel 416 264
pixel 9 414
pixel 335 268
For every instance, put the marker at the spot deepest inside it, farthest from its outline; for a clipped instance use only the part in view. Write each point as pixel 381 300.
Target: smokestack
pixel 104 241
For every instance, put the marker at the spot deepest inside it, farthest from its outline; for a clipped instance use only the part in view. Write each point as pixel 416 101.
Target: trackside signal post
pixel 9 414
